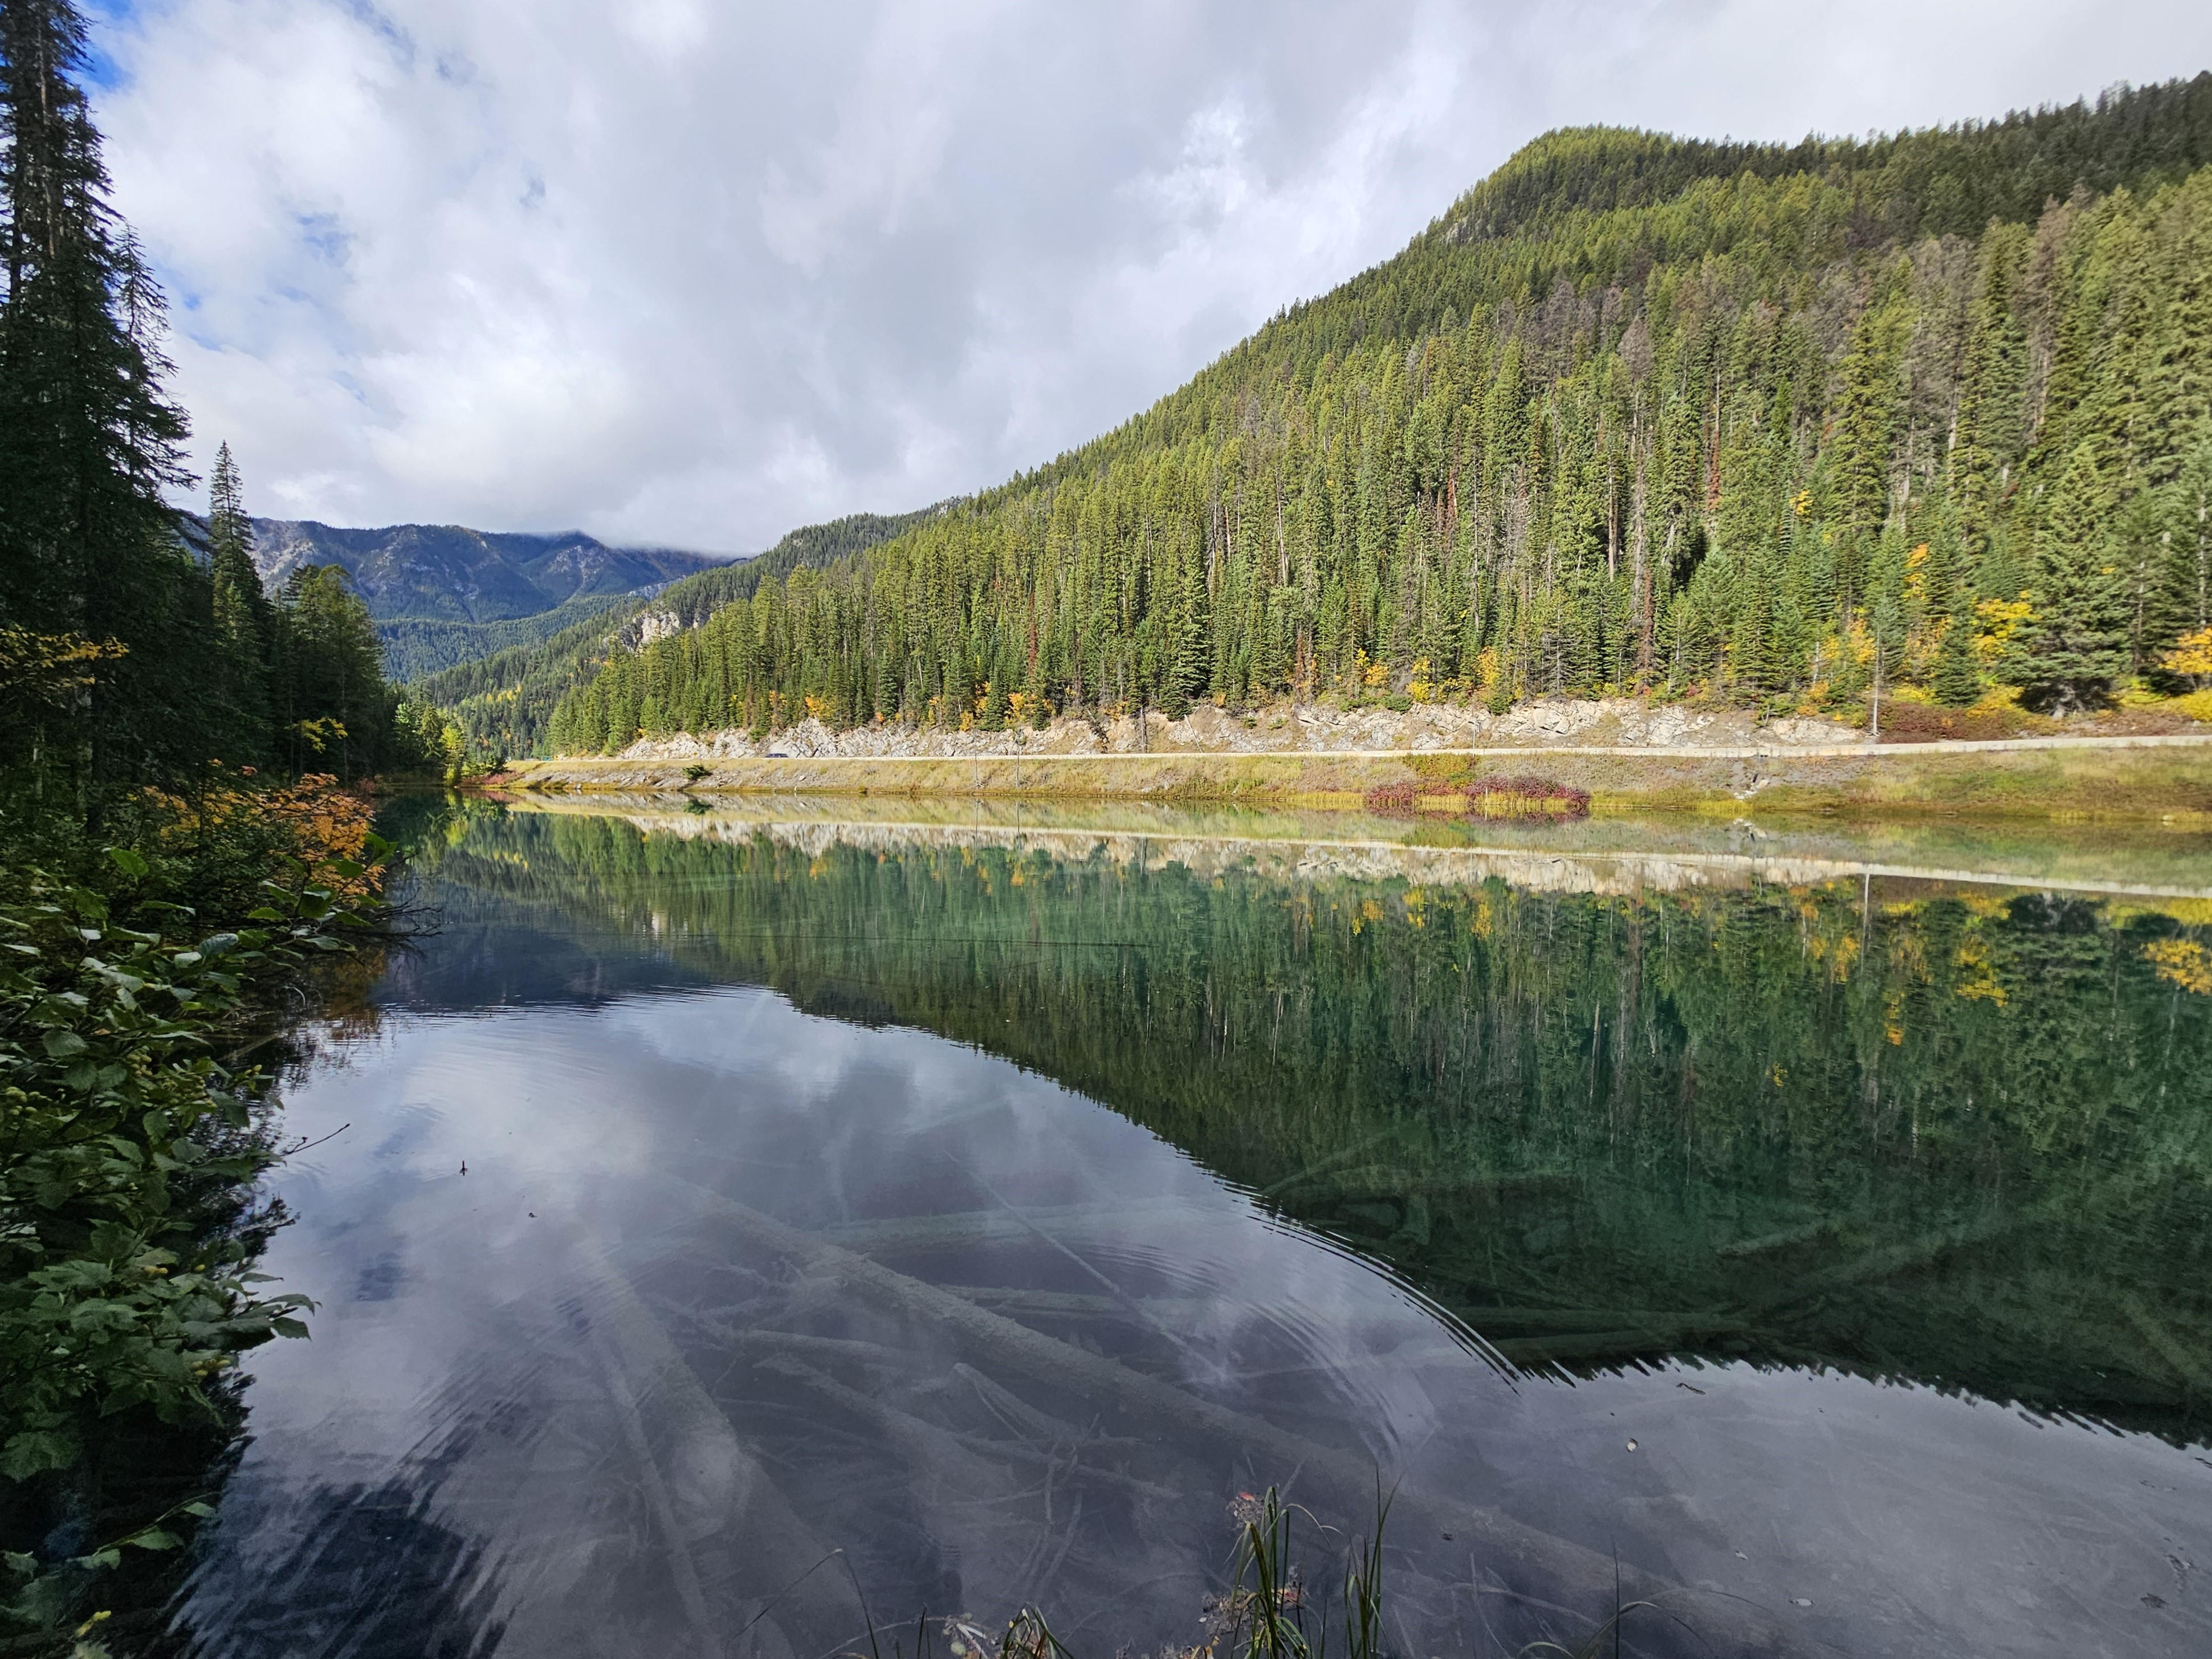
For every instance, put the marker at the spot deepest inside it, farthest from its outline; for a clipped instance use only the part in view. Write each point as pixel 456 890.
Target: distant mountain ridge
pixel 445 594
pixel 453 573
pixel 501 680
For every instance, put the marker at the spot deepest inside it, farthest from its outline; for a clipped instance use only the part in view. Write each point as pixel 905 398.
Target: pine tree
pixel 88 440
pixel 1957 681
pixel 2186 539
pixel 334 710
pixel 2074 645
pixel 2178 392
pixel 1991 384
pixel 243 619
pixel 1865 432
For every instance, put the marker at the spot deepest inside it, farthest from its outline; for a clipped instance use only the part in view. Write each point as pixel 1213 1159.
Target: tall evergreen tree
pixel 125 661
pixel 1988 440
pixel 88 440
pixel 334 710
pixel 1865 415
pixel 243 620
pixel 2186 592
pixel 1957 680
pixel 2074 644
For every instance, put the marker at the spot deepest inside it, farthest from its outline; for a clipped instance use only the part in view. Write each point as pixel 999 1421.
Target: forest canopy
pixel 129 656
pixel 1638 414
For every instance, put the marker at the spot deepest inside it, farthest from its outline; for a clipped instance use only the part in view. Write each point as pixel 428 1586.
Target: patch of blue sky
pixel 324 235
pixel 106 17
pixel 389 29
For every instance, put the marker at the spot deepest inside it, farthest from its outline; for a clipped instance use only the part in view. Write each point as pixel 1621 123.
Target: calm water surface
pixel 995 1205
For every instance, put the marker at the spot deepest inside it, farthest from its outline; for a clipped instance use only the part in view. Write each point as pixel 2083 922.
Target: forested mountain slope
pixel 503 694
pixel 1759 423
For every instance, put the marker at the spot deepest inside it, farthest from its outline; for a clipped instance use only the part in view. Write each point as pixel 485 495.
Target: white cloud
pixel 694 273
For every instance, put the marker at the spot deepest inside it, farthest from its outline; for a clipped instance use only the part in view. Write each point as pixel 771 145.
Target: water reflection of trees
pixel 1963 1139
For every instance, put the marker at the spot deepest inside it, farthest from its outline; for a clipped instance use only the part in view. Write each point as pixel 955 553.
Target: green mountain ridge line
pixel 1784 426
pixel 442 594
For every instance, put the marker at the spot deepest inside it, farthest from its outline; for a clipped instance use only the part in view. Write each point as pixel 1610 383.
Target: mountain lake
pixel 752 1228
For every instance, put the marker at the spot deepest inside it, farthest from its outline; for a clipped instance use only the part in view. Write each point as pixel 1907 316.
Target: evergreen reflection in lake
pixel 995 1206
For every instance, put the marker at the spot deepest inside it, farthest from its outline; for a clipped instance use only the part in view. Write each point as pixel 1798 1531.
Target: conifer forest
pixel 178 844
pixel 1773 424
pixel 137 647
pixel 1647 1038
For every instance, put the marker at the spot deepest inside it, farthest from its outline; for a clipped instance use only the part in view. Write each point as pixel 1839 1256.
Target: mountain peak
pixel 453 573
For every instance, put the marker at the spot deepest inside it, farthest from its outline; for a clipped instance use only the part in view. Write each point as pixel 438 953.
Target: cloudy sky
pixel 695 271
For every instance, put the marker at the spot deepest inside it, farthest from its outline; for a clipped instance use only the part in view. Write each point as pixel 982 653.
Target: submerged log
pixel 1074 1304
pixel 2187 1364
pixel 934 1445
pixel 1783 1240
pixel 1000 1226
pixel 761 1340
pixel 1726 1622
pixel 1016 1413
pixel 702 1482
pixel 1888 1261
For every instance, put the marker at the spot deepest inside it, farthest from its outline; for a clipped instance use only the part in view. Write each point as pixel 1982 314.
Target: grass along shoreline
pixel 2068 779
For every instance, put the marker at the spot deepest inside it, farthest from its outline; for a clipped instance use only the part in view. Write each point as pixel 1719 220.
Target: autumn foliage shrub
pixel 1925 722
pixel 1540 800
pixel 1403 797
pixel 214 848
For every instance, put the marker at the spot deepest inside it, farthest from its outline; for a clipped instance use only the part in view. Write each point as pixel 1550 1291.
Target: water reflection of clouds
pixel 607 1124
pixel 465 1391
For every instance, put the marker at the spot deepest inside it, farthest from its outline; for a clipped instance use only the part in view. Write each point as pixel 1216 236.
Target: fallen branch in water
pixel 940 1448
pixel 713 1484
pixel 999 1226
pixel 1726 1621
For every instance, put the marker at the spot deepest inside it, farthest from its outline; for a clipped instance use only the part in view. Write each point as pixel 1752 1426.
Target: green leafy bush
pixel 128 1153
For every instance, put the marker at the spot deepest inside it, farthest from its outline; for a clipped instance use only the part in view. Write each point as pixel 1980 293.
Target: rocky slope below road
pixel 1309 728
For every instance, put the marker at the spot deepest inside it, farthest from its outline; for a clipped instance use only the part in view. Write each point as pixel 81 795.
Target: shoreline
pixel 2121 777
pixel 1618 855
